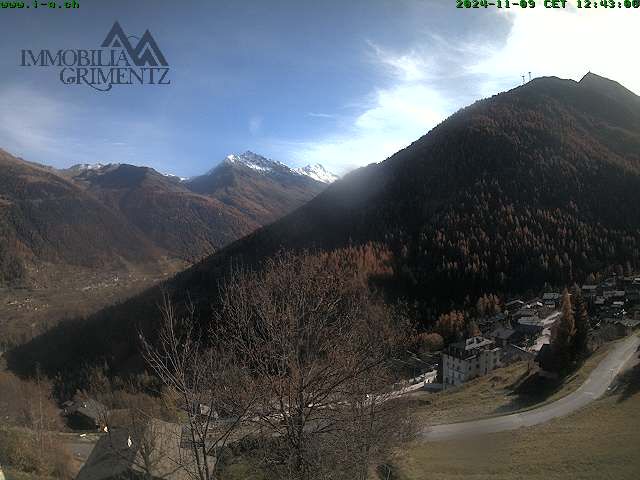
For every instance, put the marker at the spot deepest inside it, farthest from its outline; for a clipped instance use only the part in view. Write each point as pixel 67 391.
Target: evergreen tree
pixel 582 326
pixel 563 333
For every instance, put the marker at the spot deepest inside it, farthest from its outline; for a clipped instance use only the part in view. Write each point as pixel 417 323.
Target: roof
pixel 530 321
pixel 627 322
pixel 121 452
pixel 473 343
pixel 551 296
pixel 469 347
pixel 502 333
pixel 526 312
pixel 589 287
pixel 88 407
pixel 513 303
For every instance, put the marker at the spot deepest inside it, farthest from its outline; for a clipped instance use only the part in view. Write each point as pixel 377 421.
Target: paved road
pixel 594 387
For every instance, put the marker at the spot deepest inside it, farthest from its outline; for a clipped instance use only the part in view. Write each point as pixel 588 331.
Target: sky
pixel 341 83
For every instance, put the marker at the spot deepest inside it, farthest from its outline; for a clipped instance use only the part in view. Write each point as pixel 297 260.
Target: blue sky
pixel 342 83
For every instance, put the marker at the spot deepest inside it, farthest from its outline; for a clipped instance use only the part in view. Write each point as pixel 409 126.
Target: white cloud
pixel 29 122
pixel 255 125
pixel 320 115
pixel 439 75
pixel 566 43
pixel 390 119
pixel 51 131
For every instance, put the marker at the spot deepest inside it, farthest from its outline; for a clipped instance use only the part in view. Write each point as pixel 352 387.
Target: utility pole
pixel 523 79
pixel 529 76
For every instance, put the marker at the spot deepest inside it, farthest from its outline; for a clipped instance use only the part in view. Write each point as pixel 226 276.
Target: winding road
pixel 594 387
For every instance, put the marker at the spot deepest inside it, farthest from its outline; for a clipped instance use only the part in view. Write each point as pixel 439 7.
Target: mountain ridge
pixel 532 187
pixel 159 214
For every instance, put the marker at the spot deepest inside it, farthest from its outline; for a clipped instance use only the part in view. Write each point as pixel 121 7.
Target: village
pixel 520 333
pixel 523 331
pixel 104 440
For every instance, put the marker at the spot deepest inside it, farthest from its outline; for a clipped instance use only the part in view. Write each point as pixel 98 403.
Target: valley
pixel 495 259
pixel 366 240
pixel 134 227
pixel 64 293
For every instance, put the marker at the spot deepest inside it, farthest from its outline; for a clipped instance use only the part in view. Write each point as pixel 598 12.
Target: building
pixel 530 326
pixel 85 413
pixel 502 336
pixel 513 306
pixel 623 326
pixel 589 291
pixel 153 452
pixel 469 359
pixel 552 299
pixel 525 312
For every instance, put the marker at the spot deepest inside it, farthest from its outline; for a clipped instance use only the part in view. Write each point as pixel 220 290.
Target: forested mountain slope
pixel 538 184
pixel 45 218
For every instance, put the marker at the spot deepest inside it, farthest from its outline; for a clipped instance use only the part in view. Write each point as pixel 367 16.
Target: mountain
pixel 262 189
pixel 181 223
pixel 318 173
pixel 47 219
pixel 536 185
pixel 97 215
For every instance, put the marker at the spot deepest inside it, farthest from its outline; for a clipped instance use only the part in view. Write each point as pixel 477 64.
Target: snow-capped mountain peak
pixel 81 167
pixel 318 173
pixel 253 161
pixel 266 166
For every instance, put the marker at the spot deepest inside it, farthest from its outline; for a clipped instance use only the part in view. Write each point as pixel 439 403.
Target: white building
pixel 472 358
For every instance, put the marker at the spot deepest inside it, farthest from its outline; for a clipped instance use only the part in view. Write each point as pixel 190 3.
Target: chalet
pixel 614 295
pixel 85 413
pixel 152 452
pixel 618 305
pixel 502 336
pixel 488 324
pixel 513 353
pixel 589 291
pixel 530 326
pixel 551 299
pixel 627 326
pixel 472 358
pixel 525 312
pixel 513 306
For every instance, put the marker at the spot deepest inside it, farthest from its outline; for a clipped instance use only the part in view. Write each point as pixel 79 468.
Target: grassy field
pixel 506 390
pixel 602 441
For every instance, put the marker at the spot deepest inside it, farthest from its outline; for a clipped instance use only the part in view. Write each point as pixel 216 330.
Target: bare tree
pixel 204 380
pixel 317 344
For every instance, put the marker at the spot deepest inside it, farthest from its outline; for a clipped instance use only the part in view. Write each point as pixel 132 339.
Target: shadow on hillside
pixel 530 391
pixel 630 382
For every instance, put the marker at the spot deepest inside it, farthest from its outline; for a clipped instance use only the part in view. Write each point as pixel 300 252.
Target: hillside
pixel 183 224
pixel 535 185
pixel 47 219
pixel 98 216
pixel 76 240
pixel 538 184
